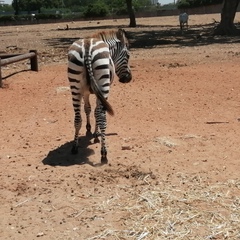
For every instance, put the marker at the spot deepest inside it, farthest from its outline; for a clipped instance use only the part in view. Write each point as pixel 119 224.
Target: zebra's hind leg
pixel 96 133
pixel 101 122
pixel 77 125
pixel 87 109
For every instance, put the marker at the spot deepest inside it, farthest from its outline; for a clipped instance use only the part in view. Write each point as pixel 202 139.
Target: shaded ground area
pixel 173 143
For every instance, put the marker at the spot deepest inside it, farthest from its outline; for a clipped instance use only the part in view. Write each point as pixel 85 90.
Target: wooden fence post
pixel 34 61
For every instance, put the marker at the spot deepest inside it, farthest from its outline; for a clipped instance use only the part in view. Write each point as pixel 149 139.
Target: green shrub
pixel 73 16
pixel 98 9
pixel 7 18
pixel 48 16
pixel 121 11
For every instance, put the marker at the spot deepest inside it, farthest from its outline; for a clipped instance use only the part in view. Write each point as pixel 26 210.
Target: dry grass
pixel 191 209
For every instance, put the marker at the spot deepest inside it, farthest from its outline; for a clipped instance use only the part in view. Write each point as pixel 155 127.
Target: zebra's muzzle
pixel 125 79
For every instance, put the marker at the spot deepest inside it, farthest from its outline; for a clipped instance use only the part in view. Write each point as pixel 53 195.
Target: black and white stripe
pixel 92 64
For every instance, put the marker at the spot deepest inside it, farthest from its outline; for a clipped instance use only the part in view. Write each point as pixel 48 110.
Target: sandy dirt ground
pixel 173 144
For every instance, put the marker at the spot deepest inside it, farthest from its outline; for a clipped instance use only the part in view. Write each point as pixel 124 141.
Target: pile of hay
pixel 191 209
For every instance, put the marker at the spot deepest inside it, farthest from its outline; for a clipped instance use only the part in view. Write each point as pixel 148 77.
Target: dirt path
pixel 173 144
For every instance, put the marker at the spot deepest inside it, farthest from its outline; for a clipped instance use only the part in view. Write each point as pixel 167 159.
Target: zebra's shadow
pixel 62 156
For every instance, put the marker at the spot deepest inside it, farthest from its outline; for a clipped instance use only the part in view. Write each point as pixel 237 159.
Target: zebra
pixel 92 64
pixel 183 19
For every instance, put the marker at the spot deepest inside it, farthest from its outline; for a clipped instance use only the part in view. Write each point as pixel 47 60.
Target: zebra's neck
pixel 114 47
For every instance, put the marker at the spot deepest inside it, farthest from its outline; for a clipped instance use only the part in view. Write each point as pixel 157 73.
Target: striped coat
pixel 92 64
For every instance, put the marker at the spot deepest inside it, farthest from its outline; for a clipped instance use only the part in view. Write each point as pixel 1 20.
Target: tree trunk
pixel 226 26
pixel 132 14
pixel 16 7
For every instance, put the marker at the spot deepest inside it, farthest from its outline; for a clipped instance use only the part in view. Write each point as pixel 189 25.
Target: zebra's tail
pixel 95 87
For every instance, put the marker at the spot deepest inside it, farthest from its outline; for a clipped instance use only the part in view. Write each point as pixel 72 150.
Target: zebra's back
pixel 90 70
pixel 98 52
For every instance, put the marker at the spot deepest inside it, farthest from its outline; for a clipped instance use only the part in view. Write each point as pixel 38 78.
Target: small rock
pixel 126 147
pixel 40 234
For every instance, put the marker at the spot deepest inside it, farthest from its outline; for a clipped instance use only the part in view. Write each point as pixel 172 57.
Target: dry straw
pixel 190 209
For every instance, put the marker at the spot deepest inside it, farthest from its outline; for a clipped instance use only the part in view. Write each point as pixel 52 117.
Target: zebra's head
pixel 121 62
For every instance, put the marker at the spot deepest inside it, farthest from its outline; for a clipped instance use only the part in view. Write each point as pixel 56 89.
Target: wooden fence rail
pixel 6 59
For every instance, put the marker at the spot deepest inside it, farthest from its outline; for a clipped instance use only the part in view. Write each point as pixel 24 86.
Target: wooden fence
pixel 6 59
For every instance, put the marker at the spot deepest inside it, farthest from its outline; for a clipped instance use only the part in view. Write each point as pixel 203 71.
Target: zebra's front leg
pixel 101 123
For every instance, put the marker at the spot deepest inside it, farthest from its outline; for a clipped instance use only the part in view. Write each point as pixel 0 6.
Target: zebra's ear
pixel 122 36
pixel 121 33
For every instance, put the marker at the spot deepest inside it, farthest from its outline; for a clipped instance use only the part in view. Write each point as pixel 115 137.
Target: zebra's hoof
pixel 88 127
pixel 74 150
pixel 104 160
pixel 88 134
pixel 96 140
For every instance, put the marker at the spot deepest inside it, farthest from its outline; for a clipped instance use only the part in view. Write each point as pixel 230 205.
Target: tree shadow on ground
pixel 150 36
pixel 64 42
pixel 195 35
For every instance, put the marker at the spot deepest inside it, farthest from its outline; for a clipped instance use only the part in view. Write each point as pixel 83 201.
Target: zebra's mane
pixel 119 34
